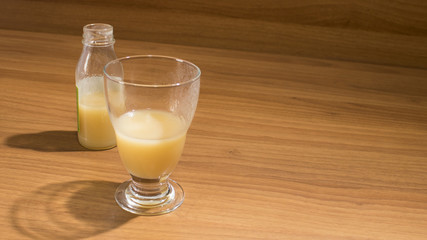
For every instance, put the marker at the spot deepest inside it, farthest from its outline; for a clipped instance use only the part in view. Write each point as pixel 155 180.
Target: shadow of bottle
pixel 48 141
pixel 71 210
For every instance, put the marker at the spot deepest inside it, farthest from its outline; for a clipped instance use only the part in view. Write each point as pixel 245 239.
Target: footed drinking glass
pixel 151 102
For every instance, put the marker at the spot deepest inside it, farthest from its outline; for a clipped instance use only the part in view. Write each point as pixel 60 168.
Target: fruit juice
pixel 95 128
pixel 150 142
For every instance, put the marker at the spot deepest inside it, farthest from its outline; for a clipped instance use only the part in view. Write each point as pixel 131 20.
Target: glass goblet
pixel 151 102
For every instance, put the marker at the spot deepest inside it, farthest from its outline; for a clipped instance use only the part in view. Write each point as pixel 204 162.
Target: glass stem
pixel 148 191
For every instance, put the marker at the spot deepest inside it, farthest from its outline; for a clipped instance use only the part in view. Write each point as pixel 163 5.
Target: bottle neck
pixel 98 35
pixel 95 47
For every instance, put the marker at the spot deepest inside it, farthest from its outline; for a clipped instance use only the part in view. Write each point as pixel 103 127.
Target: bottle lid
pixel 98 34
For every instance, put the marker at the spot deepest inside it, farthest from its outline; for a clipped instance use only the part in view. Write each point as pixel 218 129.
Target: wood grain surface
pixel 281 147
pixel 392 32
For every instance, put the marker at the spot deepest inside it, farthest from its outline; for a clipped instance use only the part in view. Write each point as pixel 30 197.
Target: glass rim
pixel 97 27
pixel 122 59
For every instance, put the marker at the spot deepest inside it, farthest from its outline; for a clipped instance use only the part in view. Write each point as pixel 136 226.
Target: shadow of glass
pixel 48 141
pixel 72 210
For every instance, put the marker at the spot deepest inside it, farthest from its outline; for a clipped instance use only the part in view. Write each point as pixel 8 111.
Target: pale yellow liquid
pixel 150 142
pixel 95 128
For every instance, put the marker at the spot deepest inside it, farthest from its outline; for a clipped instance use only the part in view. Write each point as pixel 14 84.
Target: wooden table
pixel 281 147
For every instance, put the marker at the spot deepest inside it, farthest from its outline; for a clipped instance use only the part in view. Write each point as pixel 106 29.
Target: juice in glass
pixel 150 142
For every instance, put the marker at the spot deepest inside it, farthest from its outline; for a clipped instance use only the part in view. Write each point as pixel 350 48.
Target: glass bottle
pixel 93 123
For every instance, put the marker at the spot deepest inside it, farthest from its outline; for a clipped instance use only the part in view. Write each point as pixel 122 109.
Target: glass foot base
pixel 146 205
